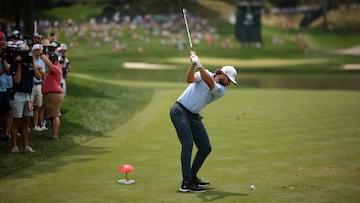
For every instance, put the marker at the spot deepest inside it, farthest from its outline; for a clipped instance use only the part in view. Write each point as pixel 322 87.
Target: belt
pixel 23 93
pixel 185 109
pixel 52 93
pixel 37 83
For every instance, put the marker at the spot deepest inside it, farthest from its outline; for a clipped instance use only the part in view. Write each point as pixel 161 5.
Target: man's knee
pixel 206 150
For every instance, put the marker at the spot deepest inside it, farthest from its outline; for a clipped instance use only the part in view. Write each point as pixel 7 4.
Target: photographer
pixel 23 71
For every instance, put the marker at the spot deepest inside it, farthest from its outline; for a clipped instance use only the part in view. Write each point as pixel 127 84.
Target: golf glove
pixel 195 60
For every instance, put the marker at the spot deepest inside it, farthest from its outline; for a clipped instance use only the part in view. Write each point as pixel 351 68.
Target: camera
pixel 11 51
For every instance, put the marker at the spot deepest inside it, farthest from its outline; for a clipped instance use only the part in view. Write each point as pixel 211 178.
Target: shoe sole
pixel 193 191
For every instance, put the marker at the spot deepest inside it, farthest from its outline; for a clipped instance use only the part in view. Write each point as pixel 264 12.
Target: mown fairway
pixel 293 145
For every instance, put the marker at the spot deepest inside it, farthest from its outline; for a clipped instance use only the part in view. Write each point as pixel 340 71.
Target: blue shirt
pixel 3 80
pixel 40 62
pixel 198 94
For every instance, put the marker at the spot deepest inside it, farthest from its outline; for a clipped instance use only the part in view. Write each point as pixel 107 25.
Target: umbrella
pixel 126 168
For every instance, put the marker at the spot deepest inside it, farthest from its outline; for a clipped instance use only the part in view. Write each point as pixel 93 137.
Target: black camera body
pixel 10 53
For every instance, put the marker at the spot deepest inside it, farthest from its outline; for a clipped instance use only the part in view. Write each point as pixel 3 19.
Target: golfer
pixel 204 88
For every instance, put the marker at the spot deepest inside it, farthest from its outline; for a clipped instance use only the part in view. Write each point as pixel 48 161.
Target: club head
pixel 184 10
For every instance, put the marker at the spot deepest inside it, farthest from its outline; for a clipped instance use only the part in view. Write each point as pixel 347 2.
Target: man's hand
pixel 18 58
pixel 195 60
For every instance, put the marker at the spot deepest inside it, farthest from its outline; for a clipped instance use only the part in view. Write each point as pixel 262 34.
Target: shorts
pixel 21 105
pixel 52 104
pixel 37 95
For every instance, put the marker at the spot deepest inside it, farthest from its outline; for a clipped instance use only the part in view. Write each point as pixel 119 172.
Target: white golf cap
pixel 230 71
pixel 36 46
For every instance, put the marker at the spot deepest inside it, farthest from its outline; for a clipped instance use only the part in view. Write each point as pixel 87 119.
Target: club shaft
pixel 187 28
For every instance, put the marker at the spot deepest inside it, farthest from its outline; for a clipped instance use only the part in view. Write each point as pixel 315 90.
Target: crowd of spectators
pixel 123 30
pixel 32 86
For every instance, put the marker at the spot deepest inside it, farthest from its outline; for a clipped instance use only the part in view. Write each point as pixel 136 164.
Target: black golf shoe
pixel 189 186
pixel 200 182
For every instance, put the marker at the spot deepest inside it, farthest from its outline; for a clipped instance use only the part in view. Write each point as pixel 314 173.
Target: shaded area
pixel 83 105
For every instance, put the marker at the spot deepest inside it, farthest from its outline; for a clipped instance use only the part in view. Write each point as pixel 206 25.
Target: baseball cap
pixel 11 44
pixel 45 43
pixel 230 72
pixel 53 57
pixel 54 44
pixel 36 46
pixel 62 47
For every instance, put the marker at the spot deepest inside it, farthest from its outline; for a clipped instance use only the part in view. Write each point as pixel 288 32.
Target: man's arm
pixel 47 61
pixel 207 78
pixel 37 73
pixel 204 74
pixel 5 68
pixel 190 75
pixel 17 76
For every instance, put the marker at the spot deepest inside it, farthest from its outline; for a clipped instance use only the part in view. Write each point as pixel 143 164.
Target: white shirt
pixel 198 94
pixel 40 62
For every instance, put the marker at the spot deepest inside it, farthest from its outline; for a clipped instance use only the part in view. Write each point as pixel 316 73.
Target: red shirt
pixel 52 81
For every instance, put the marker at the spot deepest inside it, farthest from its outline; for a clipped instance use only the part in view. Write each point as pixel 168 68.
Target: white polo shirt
pixel 198 94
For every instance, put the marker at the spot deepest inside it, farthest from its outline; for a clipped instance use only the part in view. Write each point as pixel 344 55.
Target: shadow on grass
pixel 212 195
pixel 80 154
pixel 86 102
pixel 73 135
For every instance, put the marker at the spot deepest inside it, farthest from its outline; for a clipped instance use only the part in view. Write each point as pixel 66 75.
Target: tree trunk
pixel 28 17
pixel 325 5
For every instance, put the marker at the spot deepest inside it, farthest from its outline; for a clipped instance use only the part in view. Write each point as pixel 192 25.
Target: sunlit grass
pixel 77 12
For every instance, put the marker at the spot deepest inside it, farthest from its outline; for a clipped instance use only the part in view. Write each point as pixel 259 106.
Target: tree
pixel 18 11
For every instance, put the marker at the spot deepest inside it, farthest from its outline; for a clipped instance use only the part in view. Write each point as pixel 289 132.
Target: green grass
pixel 89 110
pixel 79 12
pixel 294 146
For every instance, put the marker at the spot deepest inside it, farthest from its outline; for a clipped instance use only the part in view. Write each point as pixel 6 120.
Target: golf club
pixel 187 28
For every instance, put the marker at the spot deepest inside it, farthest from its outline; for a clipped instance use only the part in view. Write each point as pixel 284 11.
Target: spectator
pixel 65 64
pixel 49 47
pixel 52 37
pixel 23 72
pixel 52 48
pixel 4 93
pixel 37 38
pixel 38 112
pixel 10 94
pixel 52 92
